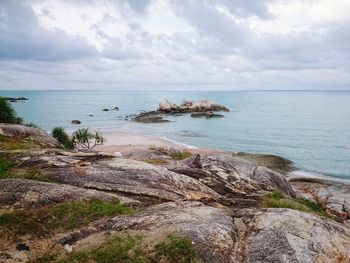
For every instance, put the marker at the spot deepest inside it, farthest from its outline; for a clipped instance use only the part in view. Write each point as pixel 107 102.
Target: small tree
pixel 7 113
pixel 62 137
pixel 86 140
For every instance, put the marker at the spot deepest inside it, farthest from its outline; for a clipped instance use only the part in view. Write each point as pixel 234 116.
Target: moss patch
pixel 67 216
pixel 278 200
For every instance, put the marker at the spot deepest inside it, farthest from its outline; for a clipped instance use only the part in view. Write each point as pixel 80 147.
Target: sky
pixel 175 44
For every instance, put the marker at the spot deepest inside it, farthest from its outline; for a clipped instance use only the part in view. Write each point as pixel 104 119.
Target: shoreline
pixel 125 142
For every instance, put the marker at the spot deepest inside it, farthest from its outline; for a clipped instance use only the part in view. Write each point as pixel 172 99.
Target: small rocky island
pixel 163 205
pixel 197 109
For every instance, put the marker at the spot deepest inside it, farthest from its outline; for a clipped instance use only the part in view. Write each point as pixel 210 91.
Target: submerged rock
pixel 207 115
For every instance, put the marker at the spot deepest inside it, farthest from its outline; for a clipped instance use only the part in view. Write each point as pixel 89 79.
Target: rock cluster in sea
pixel 197 109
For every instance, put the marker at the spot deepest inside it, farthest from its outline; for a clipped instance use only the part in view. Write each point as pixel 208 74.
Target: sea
pixel 311 128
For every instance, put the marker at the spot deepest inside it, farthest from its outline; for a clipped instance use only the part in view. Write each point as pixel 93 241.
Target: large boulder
pixel 285 235
pixel 165 106
pixel 14 130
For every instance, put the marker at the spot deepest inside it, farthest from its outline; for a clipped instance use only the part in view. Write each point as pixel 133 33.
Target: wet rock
pixel 150 117
pixel 105 109
pixel 75 122
pixel 115 108
pixel 207 115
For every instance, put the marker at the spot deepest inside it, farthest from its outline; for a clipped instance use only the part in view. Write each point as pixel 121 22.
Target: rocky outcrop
pixel 134 178
pixel 334 195
pixel 212 197
pixel 203 108
pixel 285 235
pixel 191 106
pixel 23 193
pixel 211 229
pixel 14 130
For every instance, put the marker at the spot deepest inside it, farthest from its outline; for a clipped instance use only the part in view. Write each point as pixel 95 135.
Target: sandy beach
pixel 123 142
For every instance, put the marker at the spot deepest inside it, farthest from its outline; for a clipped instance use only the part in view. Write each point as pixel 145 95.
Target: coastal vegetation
pixel 176 154
pixel 131 248
pixel 7 112
pixel 68 215
pixel 277 199
pixel 82 139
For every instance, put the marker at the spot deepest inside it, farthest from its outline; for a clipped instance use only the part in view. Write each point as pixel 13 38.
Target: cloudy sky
pixel 175 44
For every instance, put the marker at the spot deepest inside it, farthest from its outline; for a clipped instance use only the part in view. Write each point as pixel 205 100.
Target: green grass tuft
pixel 276 199
pixel 180 155
pixel 130 249
pixel 174 249
pixel 68 216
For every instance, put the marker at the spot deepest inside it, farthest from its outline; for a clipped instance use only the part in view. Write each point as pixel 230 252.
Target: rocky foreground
pixel 233 207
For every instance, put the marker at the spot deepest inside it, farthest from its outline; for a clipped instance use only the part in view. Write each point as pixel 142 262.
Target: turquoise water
pixel 312 128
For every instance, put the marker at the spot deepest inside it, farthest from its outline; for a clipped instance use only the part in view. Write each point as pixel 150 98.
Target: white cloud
pixel 222 44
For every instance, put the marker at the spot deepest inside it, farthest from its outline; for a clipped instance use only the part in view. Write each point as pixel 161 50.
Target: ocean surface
pixel 311 128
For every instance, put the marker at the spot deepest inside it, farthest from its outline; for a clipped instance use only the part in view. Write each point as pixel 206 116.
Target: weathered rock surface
pixel 285 235
pixel 334 194
pixel 23 193
pixel 14 130
pixel 135 178
pixel 210 228
pixel 229 175
pixel 212 197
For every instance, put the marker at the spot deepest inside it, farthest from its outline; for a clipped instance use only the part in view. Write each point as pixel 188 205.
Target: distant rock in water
pixel 105 110
pixel 202 108
pixel 10 99
pixel 75 122
pixel 191 106
pixel 115 108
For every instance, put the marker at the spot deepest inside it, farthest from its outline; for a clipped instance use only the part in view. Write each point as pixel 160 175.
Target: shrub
pixel 86 140
pixel 180 155
pixel 7 113
pixel 62 137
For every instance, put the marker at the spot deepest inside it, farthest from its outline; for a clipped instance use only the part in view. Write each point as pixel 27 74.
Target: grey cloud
pixel 23 39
